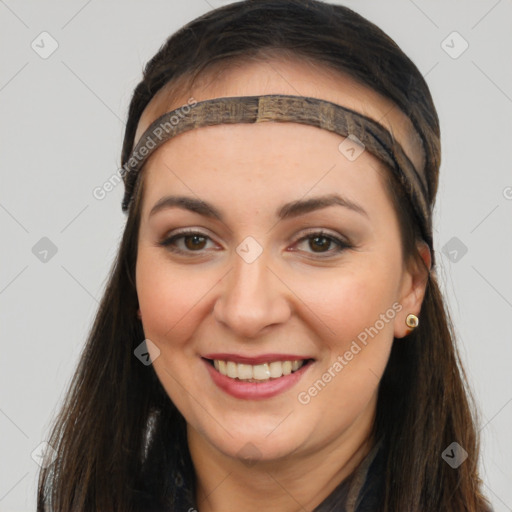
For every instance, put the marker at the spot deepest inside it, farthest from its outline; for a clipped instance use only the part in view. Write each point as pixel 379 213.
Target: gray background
pixel 62 120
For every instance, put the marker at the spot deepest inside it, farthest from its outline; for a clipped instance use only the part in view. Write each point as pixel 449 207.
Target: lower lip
pixel 256 390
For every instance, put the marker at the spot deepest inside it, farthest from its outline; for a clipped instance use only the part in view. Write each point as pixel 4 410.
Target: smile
pixel 259 372
pixel 266 377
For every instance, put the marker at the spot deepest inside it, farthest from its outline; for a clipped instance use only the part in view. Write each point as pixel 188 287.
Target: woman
pixel 272 334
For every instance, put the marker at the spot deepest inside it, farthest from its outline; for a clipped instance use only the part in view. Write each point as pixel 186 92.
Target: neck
pixel 297 482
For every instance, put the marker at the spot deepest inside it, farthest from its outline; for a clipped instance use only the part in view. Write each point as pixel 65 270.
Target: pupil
pixel 323 244
pixel 196 241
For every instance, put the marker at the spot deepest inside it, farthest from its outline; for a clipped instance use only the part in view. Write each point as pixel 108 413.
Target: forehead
pixel 279 75
pixel 250 171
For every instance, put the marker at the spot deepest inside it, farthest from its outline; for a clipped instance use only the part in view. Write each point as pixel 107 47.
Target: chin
pixel 254 443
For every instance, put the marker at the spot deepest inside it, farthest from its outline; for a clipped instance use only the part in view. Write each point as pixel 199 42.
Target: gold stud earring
pixel 412 321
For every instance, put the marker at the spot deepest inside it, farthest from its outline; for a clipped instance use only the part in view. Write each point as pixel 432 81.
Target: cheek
pixel 170 301
pixel 169 298
pixel 355 313
pixel 350 300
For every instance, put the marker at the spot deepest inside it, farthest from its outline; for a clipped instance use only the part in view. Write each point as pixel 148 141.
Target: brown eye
pixel 324 244
pixel 186 242
pixel 320 243
pixel 193 242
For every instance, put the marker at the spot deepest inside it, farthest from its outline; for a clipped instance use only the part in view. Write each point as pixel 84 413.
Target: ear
pixel 139 314
pixel 412 289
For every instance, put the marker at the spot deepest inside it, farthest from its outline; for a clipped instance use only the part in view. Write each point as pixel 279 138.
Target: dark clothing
pixel 360 492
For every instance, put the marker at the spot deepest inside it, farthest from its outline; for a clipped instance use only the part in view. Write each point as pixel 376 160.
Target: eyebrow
pixel 286 211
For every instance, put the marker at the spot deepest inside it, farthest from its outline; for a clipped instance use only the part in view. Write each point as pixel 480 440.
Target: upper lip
pixel 254 360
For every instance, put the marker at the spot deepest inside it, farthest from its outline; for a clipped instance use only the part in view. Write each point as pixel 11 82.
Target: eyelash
pixel 341 244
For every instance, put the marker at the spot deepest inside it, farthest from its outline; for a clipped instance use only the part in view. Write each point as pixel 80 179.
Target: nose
pixel 252 297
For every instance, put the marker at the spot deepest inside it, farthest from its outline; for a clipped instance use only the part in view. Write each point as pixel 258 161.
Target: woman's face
pixel 277 253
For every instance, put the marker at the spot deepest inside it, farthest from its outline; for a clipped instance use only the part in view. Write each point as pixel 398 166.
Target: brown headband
pixel 285 108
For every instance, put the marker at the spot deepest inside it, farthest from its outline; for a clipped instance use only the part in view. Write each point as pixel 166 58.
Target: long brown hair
pixel 102 432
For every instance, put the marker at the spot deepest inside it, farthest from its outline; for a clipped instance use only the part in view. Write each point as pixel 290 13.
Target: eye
pixel 191 241
pixel 320 242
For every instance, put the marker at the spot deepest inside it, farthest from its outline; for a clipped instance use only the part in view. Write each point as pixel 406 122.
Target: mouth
pixel 262 372
pixel 256 378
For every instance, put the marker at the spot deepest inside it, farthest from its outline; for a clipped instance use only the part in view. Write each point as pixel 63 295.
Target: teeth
pixel 244 371
pixel 231 370
pixel 276 369
pixel 257 372
pixel 261 371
